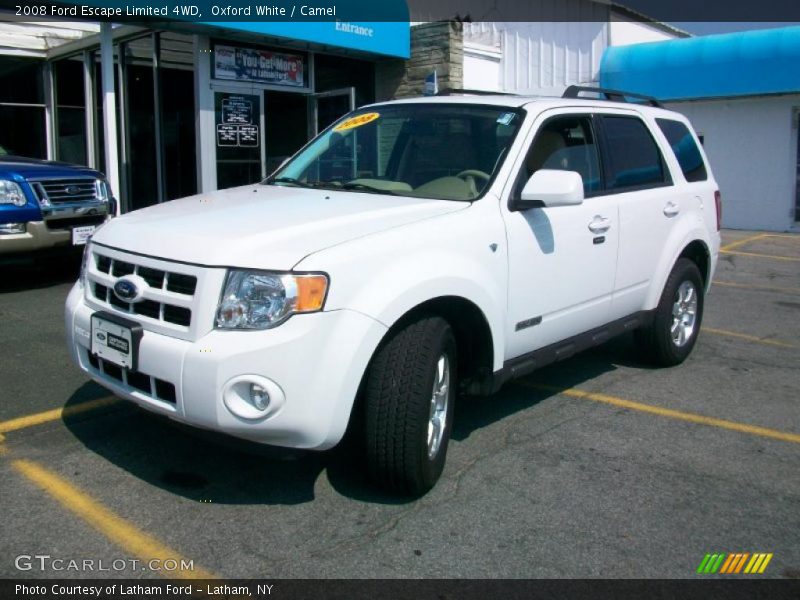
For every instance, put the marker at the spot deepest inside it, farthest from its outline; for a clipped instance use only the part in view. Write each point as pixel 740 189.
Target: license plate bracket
pixel 116 339
pixel 81 235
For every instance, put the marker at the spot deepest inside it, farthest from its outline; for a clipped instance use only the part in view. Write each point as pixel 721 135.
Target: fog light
pixel 259 396
pixel 11 228
pixel 253 397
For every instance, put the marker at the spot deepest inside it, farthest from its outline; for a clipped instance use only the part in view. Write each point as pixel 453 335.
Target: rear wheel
pixel 409 397
pixel 669 339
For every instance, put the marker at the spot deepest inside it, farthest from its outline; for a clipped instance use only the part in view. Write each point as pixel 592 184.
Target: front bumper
pixel 36 237
pixel 316 360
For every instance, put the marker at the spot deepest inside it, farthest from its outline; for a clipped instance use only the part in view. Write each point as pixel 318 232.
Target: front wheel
pixel 409 397
pixel 669 339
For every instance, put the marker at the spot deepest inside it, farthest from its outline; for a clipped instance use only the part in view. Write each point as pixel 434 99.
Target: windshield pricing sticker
pixel 357 121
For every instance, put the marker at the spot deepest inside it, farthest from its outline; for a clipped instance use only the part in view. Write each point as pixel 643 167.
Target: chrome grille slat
pixel 54 191
pixel 160 303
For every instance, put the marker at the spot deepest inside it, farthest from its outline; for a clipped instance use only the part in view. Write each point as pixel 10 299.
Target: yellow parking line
pixel 749 338
pixel 55 414
pixel 668 412
pixel 743 241
pixel 795 238
pixel 751 286
pixel 114 527
pixel 757 255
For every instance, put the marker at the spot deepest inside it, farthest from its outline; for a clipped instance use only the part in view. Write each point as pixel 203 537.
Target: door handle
pixel 671 209
pixel 599 224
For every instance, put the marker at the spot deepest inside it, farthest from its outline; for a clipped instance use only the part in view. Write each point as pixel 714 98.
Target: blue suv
pixel 47 205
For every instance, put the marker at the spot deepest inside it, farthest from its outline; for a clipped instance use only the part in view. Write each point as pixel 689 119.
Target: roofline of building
pixel 615 7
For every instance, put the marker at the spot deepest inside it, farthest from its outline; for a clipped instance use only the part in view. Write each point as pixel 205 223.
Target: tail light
pixel 718 202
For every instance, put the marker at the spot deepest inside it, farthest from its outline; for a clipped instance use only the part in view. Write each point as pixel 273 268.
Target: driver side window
pixel 565 143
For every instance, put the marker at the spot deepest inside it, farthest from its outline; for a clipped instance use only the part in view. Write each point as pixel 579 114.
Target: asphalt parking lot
pixel 595 467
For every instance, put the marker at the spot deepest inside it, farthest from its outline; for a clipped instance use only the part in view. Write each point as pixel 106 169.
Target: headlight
pixel 11 193
pixel 260 300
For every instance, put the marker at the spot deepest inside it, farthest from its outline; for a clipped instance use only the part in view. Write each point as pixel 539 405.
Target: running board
pixel 527 363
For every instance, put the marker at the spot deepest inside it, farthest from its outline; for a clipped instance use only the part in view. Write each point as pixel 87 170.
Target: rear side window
pixel 685 149
pixel 633 160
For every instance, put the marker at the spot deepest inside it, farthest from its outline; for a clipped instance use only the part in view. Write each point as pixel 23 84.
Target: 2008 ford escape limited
pixel 413 250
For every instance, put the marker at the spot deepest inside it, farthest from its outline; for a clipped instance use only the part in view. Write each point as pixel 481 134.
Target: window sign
pixel 261 66
pixel 237 110
pixel 236 121
pixel 248 135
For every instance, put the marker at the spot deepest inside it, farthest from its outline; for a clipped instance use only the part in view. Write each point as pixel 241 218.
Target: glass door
pixel 326 107
pixel 239 137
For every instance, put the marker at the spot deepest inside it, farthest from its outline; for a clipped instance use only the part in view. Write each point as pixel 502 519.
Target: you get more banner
pixel 262 66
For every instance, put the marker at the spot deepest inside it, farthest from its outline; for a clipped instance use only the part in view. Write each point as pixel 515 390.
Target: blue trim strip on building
pixel 716 66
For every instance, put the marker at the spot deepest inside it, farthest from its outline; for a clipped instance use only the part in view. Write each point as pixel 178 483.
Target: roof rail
pixel 454 91
pixel 574 91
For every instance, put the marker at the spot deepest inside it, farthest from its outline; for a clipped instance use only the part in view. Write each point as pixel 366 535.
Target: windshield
pixel 442 151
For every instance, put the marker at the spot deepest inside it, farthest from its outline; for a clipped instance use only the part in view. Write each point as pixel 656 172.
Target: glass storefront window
pixel 22 112
pixel 238 138
pixel 70 111
pixel 178 115
pixel 21 80
pixel 23 131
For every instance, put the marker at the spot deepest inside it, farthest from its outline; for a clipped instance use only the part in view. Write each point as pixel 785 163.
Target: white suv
pixel 412 250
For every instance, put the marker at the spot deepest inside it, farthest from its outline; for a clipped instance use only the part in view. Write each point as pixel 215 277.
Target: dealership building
pixel 170 112
pixel 174 109
pixel 181 108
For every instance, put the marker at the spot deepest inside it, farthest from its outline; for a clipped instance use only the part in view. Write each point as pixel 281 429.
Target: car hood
pixel 261 226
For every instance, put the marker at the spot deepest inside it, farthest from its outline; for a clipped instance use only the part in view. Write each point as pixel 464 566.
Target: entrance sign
pixel 261 66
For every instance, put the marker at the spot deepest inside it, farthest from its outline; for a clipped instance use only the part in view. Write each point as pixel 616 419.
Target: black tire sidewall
pixel 431 469
pixel 397 397
pixel 684 270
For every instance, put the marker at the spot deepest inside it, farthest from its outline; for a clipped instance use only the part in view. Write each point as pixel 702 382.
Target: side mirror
pixel 549 187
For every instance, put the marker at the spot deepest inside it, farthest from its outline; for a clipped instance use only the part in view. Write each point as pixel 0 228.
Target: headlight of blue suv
pixel 260 300
pixel 11 193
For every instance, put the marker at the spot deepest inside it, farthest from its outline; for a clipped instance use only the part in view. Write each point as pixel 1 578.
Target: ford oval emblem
pixel 72 190
pixel 126 290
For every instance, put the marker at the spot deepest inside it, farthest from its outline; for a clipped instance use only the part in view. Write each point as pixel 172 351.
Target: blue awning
pixel 388 38
pixel 716 66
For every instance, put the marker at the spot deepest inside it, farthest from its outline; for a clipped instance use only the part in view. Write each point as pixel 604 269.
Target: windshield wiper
pixel 367 188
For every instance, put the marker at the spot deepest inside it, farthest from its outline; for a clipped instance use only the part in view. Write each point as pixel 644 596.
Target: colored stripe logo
pixel 734 563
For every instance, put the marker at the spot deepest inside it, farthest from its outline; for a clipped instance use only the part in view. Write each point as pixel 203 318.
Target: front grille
pixel 158 280
pixel 69 223
pixel 60 191
pixel 142 382
pixel 177 315
pixel 172 282
pixel 181 284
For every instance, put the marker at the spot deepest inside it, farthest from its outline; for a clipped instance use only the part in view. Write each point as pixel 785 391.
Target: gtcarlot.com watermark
pixel 46 562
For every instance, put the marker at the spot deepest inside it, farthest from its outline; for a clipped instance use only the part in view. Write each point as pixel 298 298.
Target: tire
pixel 665 342
pixel 402 453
